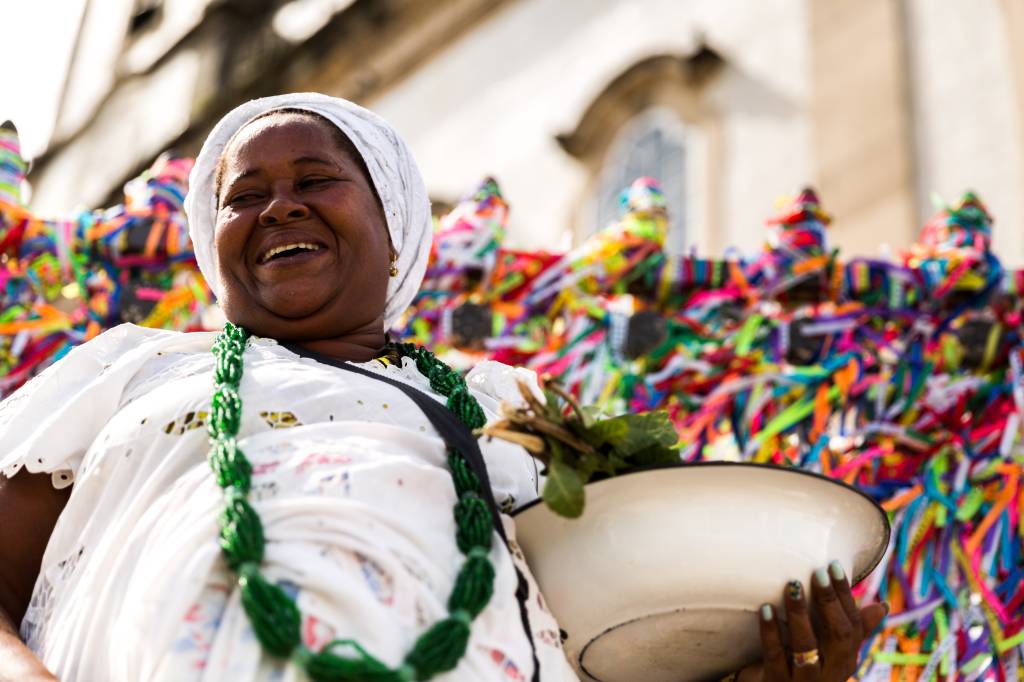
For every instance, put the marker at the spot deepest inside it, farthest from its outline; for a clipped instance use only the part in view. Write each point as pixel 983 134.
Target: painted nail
pixel 821 577
pixel 836 569
pixel 766 613
pixel 795 589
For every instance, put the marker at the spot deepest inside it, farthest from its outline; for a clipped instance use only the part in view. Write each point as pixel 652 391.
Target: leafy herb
pixel 577 446
pixel 563 490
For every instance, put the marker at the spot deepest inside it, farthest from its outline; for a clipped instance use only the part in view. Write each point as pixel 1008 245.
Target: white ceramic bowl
pixel 661 578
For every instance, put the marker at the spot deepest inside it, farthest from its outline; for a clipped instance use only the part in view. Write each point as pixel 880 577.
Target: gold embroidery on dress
pixel 281 420
pixel 191 420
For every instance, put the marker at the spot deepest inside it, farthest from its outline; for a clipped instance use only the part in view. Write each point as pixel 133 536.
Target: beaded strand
pixel 274 616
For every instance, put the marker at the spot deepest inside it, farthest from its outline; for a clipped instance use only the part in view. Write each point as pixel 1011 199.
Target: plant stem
pixel 567 397
pixel 534 444
pixel 530 398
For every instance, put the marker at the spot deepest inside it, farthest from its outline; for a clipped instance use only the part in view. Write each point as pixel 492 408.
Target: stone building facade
pixel 880 104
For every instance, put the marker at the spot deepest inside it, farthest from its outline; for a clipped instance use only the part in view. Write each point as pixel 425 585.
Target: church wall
pixel 494 101
pixel 967 117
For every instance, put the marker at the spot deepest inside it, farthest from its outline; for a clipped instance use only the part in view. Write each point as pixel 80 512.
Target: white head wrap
pixel 392 170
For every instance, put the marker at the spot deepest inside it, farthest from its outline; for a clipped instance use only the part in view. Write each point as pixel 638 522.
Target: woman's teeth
pixel 287 247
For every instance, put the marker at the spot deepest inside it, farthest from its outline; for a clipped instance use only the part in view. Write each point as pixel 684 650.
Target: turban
pixel 392 171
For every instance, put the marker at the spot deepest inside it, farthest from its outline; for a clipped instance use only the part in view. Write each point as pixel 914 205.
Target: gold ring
pixel 804 658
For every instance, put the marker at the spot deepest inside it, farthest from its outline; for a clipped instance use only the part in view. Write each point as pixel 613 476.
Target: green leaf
pixel 563 490
pixel 612 432
pixel 591 414
pixel 614 464
pixel 584 464
pixel 654 456
pixel 631 434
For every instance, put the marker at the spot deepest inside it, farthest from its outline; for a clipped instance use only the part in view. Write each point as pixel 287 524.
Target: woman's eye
pixel 313 182
pixel 242 198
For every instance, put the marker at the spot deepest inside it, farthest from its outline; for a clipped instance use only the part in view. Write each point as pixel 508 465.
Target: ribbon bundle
pixel 905 379
pixel 64 281
pixel 901 378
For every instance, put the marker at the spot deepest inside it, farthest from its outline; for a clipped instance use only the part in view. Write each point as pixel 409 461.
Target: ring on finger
pixel 805 658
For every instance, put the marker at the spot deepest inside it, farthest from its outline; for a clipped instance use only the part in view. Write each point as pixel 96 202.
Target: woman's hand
pixel 822 649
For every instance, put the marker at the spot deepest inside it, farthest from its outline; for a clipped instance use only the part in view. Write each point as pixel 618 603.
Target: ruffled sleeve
pixel 515 474
pixel 48 424
pixel 497 381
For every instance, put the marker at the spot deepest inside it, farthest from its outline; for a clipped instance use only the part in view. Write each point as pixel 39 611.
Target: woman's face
pixel 302 246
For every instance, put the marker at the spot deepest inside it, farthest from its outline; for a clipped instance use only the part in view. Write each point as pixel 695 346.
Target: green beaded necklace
pixel 275 618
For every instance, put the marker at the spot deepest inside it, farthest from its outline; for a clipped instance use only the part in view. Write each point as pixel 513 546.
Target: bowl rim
pixel 879 555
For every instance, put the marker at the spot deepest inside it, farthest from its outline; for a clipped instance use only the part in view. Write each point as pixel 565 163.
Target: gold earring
pixel 394 265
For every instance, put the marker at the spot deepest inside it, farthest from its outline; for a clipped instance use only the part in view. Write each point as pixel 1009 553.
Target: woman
pixel 311 223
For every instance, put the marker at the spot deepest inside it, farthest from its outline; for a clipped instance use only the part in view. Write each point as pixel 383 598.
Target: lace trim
pixel 33 625
pixel 40 609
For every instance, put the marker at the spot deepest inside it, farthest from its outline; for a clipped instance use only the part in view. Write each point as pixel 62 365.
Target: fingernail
pixel 821 577
pixel 766 613
pixel 886 605
pixel 836 569
pixel 795 589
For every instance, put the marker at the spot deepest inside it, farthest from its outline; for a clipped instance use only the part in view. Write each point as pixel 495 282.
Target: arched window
pixel 652 143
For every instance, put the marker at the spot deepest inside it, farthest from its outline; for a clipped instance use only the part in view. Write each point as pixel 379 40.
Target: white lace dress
pixel 350 482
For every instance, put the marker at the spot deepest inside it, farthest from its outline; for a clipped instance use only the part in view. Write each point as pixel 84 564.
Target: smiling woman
pixel 306 501
pixel 303 248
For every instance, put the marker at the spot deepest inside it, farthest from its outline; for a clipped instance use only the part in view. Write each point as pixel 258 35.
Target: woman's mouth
pixel 290 254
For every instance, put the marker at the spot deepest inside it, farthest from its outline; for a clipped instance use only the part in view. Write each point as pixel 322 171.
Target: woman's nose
pixel 283 208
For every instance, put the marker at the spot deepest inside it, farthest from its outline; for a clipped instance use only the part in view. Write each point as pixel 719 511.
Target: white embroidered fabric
pixel 349 479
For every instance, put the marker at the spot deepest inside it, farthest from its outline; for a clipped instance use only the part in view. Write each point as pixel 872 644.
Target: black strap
pixel 451 429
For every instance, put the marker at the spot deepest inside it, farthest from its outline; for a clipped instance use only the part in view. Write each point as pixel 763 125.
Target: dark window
pixel 653 144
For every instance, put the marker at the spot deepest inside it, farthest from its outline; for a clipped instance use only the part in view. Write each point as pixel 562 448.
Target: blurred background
pixel 882 105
